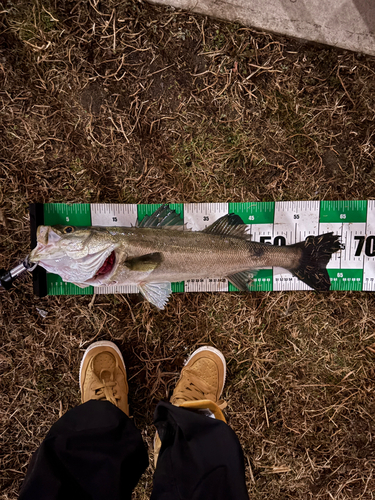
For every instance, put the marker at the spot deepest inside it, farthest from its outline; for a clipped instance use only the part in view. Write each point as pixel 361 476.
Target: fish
pixel 160 250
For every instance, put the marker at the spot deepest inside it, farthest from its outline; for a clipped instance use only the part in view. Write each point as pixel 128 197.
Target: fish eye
pixel 68 229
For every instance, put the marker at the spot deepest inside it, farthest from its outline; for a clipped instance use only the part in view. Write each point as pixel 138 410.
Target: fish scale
pixel 190 254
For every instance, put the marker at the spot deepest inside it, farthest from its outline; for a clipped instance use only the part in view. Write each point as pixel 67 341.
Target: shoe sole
pixel 218 353
pixel 101 343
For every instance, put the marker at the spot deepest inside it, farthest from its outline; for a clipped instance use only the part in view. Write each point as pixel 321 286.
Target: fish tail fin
pixel 316 253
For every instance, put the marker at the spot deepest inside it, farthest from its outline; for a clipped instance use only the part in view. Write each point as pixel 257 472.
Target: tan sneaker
pixel 202 381
pixel 200 386
pixel 102 375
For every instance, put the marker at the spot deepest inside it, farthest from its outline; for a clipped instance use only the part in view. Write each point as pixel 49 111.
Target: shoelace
pixel 105 390
pixel 194 388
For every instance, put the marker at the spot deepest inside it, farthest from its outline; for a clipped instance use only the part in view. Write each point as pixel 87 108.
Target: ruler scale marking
pixel 353 268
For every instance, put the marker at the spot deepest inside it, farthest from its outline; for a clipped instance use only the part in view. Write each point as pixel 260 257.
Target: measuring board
pixel 277 223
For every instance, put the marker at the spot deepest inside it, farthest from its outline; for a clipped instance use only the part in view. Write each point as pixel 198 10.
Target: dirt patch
pixel 132 103
pixel 92 98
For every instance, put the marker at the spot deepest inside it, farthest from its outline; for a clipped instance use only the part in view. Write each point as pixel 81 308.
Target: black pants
pixel 94 452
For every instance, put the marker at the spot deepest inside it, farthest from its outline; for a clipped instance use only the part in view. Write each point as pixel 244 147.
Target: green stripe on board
pixel 261 212
pixel 56 286
pixel 77 214
pixel 150 208
pixel 178 287
pixel 343 211
pixel 346 279
pixel 262 282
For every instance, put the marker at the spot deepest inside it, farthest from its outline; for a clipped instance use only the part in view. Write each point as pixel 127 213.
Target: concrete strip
pixel 348 24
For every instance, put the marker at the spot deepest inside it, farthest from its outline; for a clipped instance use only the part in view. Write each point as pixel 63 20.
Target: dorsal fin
pixel 162 217
pixel 228 225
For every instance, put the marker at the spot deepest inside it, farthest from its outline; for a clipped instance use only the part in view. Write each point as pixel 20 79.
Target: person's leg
pixel 94 451
pixel 198 456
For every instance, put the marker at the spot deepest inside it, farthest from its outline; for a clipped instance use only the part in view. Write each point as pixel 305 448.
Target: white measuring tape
pixel 276 223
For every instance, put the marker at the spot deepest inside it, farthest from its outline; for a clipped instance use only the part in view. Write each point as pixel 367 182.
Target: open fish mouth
pixel 107 267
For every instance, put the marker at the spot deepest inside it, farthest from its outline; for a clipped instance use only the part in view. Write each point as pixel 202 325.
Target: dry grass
pixel 127 102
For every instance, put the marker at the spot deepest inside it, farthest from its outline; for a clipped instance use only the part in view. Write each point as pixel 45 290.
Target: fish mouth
pixel 106 269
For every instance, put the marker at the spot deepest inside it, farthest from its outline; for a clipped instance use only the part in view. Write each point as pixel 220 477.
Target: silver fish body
pixel 153 257
pixel 196 254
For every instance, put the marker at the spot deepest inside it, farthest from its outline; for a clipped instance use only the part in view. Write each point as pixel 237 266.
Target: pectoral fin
pixel 156 293
pixel 144 263
pixel 242 280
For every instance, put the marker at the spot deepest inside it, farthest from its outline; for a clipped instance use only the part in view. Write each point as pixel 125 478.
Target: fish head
pixel 81 255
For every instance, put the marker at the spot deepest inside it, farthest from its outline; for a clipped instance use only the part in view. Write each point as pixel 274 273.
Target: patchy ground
pixel 127 102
